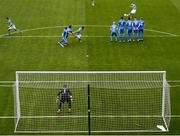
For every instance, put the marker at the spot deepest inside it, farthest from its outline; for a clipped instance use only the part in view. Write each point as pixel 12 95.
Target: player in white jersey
pixel 93 3
pixel 78 33
pixel 133 10
pixel 11 25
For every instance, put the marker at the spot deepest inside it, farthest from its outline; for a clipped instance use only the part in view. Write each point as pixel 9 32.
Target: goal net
pixel 120 101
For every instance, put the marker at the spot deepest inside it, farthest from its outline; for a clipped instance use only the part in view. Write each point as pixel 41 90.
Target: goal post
pixel 17 109
pixel 121 101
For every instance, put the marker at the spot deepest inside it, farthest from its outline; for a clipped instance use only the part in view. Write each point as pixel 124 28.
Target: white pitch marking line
pixel 55 36
pixel 6 85
pixel 108 116
pixel 50 27
pixel 161 32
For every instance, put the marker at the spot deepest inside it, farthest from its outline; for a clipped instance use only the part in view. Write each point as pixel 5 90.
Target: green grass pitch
pixel 36 49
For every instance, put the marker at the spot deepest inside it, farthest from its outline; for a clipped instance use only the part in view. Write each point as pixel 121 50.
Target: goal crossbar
pixel 106 72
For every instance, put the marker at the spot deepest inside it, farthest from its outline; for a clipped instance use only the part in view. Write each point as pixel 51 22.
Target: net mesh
pixel 120 101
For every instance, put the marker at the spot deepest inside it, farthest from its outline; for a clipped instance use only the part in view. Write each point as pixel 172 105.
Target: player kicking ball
pixel 11 26
pixel 78 33
pixel 133 10
pixel 64 95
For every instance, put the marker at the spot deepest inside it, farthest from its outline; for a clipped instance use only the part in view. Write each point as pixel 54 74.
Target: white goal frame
pixel 17 106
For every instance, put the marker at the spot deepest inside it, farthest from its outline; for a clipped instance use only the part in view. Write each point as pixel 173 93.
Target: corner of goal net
pixel 161 127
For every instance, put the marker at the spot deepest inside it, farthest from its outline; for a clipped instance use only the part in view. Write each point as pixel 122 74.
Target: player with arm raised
pixel 64 95
pixel 78 33
pixel 133 10
pixel 113 30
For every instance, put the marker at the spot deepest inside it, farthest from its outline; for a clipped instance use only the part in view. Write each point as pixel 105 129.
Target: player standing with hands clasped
pixel 64 95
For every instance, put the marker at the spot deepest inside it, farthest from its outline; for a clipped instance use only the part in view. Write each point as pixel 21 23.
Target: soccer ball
pixel 125 15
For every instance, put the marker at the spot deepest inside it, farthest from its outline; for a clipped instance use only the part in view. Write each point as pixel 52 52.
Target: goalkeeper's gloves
pixel 71 98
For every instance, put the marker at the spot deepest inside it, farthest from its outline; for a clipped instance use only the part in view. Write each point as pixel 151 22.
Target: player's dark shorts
pixel 129 31
pixel 136 31
pixel 65 99
pixel 113 34
pixel 141 30
pixel 121 31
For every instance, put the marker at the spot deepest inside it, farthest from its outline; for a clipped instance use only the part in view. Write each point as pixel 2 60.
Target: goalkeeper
pixel 64 95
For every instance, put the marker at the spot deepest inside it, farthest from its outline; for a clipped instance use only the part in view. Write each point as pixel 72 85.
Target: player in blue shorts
pixel 63 41
pixel 129 29
pixel 122 24
pixel 136 29
pixel 113 30
pixel 141 29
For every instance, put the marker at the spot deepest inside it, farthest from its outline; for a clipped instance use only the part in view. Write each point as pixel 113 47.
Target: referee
pixel 64 95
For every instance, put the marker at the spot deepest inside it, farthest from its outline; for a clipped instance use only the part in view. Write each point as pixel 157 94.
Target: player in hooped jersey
pixel 113 30
pixel 121 26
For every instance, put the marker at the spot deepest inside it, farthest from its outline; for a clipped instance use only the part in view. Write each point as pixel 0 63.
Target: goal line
pixel 108 116
pixel 95 116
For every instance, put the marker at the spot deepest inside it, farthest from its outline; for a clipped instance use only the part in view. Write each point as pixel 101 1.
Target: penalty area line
pixel 95 26
pixel 85 36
